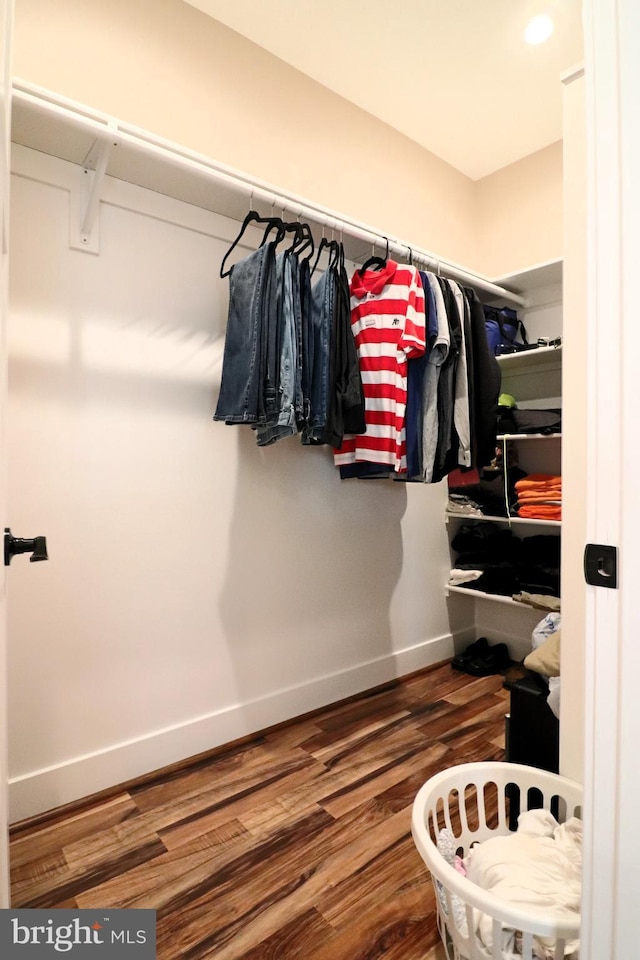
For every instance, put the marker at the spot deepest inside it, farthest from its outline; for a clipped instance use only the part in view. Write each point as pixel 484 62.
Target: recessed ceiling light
pixel 539 29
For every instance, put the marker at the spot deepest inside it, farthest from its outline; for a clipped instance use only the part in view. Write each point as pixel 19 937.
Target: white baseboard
pixel 50 787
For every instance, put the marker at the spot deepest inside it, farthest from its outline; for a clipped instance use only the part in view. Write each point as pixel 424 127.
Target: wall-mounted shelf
pixel 528 436
pixel 531 280
pixel 518 521
pixel 525 360
pixel 534 379
pixel 494 597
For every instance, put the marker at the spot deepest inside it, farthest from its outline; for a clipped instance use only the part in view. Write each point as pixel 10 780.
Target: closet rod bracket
pixel 87 192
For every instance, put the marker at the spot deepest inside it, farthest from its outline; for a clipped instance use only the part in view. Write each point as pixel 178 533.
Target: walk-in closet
pixel 201 587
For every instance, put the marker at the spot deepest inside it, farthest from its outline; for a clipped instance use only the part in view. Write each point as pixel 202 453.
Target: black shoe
pixel 493 661
pixel 475 650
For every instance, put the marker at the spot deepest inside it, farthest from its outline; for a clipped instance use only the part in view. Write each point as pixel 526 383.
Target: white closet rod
pixel 104 128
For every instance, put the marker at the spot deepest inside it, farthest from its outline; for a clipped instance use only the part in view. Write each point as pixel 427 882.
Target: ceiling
pixel 456 76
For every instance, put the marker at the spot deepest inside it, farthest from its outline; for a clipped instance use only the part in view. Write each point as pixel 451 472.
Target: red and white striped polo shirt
pixel 388 325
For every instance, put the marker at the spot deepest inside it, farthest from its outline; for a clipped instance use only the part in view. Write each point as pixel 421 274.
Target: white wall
pixel 198 588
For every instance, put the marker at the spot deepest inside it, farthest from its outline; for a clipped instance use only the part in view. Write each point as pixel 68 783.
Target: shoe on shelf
pixel 493 661
pixel 475 650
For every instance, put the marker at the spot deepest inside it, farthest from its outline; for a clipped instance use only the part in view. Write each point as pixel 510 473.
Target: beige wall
pixel 170 69
pixel 519 213
pixel 166 67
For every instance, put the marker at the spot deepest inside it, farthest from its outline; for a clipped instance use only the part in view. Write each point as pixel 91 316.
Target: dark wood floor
pixel 296 845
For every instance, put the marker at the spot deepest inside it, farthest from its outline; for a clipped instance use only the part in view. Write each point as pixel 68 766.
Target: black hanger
pixel 323 243
pixel 299 236
pixel 275 223
pixel 304 241
pixel 253 217
pixel 374 262
pixel 303 238
pixel 334 253
pixel 337 255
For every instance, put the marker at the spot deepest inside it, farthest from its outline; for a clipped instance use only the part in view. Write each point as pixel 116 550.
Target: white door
pixel 6 24
pixel 611 919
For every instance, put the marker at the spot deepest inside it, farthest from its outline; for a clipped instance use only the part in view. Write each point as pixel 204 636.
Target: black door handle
pixel 37 547
pixel 601 565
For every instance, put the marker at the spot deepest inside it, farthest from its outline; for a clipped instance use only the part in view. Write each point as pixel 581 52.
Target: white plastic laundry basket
pixel 474 801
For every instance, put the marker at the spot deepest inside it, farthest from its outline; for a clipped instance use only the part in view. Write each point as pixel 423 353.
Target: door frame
pixel 6 36
pixel 611 870
pixel 611 921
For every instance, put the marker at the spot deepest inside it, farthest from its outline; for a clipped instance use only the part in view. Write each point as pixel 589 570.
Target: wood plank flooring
pixel 295 845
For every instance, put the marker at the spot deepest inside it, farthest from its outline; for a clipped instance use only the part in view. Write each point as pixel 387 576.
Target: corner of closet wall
pixel 518 214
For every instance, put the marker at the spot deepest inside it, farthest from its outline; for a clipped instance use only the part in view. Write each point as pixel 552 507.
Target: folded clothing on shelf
pixel 458 503
pixel 509 564
pixel 539 481
pixel 539 497
pixel 529 421
pixel 459 577
pixel 488 490
pixel 540 511
pixel 538 600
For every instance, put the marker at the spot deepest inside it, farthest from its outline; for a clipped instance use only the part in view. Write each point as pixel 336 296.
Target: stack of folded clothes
pixel 485 489
pixel 494 560
pixel 539 497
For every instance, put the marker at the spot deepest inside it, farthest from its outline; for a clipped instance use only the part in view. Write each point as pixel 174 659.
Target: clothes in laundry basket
pixel 540 865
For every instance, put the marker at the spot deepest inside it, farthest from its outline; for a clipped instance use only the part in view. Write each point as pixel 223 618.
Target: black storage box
pixel 533 732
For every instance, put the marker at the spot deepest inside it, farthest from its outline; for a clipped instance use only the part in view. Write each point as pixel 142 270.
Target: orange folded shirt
pixel 540 478
pixel 540 512
pixel 539 481
pixel 551 497
pixel 540 492
pixel 539 488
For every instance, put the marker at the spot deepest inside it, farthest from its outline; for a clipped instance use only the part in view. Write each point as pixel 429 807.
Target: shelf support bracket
pixel 84 231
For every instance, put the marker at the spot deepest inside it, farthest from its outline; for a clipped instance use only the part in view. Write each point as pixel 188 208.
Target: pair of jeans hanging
pixel 323 295
pixel 337 397
pixel 283 358
pixel 252 314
